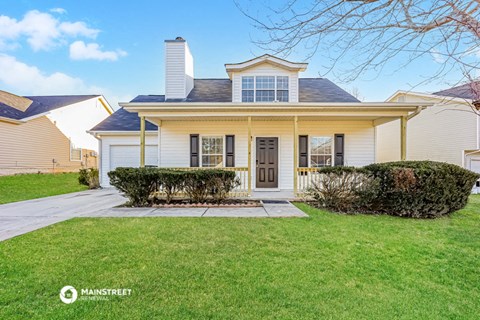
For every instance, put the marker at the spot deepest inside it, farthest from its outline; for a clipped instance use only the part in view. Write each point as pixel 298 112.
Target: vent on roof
pixel 179 38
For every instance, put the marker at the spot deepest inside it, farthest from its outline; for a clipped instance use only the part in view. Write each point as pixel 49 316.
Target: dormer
pixel 265 79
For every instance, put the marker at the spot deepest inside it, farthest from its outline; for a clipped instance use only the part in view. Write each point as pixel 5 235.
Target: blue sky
pixel 116 48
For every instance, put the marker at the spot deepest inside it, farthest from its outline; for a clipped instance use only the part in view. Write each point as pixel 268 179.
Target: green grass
pixel 326 266
pixel 31 186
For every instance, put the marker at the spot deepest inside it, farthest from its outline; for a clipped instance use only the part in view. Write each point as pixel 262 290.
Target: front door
pixel 267 163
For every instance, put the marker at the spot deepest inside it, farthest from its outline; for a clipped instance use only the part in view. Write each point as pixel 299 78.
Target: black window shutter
pixel 303 151
pixel 339 149
pixel 230 151
pixel 194 150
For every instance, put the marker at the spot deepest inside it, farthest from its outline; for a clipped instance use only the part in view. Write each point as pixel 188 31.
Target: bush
pixel 421 189
pixel 343 189
pixel 137 184
pixel 199 184
pixel 141 184
pixel 417 189
pixel 170 182
pixel 89 177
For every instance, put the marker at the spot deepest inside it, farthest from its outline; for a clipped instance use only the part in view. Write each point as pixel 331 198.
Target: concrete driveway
pixel 21 217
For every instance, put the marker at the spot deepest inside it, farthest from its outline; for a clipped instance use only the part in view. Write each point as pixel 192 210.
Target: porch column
pixel 142 142
pixel 249 156
pixel 403 138
pixel 295 155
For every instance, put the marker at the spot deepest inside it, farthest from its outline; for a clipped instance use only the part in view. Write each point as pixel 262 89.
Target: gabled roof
pixel 42 104
pixel 220 90
pixel 122 120
pixel 266 58
pixel 466 91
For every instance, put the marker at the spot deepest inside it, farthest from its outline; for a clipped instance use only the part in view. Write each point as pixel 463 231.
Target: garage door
pixel 129 156
pixel 475 165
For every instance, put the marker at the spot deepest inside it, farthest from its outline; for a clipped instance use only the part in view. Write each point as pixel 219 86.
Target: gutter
pixel 416 113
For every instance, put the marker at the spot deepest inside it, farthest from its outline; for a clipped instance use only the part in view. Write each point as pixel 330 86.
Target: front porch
pixel 275 149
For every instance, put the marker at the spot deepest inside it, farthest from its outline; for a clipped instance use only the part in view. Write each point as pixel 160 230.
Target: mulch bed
pixel 229 203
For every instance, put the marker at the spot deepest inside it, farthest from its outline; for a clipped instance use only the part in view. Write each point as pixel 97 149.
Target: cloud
pixel 437 56
pixel 24 79
pixel 92 51
pixel 42 30
pixel 58 10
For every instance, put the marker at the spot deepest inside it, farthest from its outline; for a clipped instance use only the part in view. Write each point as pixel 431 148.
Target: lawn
pixel 325 266
pixel 31 186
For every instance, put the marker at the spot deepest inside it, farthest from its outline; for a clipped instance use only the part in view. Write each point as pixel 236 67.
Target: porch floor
pixel 272 195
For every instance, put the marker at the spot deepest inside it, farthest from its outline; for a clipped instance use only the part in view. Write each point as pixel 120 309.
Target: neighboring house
pixel 449 131
pixel 263 122
pixel 48 133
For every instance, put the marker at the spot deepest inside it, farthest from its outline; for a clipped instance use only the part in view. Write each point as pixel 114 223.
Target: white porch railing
pixel 305 178
pixel 242 174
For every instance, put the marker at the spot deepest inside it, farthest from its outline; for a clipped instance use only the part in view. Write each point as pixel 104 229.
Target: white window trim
pixel 332 151
pixel 201 149
pixel 255 88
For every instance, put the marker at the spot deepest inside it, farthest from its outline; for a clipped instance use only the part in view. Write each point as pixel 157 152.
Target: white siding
pixel 359 141
pixel 265 69
pixel 439 133
pixel 74 121
pixel 131 144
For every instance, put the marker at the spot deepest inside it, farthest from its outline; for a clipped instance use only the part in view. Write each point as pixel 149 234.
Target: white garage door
pixel 129 156
pixel 475 165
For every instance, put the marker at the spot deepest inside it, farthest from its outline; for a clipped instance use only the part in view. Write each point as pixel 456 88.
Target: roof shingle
pixel 122 120
pixel 42 104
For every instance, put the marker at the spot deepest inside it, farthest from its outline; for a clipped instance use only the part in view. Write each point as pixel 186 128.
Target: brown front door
pixel 267 163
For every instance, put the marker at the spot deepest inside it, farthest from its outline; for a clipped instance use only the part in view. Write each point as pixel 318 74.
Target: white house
pixel 265 122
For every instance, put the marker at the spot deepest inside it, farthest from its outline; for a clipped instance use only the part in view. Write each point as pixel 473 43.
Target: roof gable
pixel 266 58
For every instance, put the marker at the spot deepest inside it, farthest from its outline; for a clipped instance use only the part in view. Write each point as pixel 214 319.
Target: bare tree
pixel 356 36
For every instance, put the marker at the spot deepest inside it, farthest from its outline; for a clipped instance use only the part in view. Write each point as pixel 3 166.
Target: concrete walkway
pixel 268 210
pixel 21 217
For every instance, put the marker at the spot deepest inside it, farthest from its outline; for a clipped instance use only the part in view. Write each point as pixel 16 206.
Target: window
pixel 282 89
pixel 265 89
pixel 320 152
pixel 247 89
pixel 212 151
pixel 75 153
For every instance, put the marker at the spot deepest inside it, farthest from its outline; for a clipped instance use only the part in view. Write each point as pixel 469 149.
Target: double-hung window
pixel 212 151
pixel 248 89
pixel 321 151
pixel 264 88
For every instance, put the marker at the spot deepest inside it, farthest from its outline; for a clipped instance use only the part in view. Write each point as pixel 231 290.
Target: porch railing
pixel 305 178
pixel 241 172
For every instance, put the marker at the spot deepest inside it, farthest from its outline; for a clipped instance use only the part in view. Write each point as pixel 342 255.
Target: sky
pixel 116 48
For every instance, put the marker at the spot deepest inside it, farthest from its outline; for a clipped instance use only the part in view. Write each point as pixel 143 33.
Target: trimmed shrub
pixel 136 183
pixel 199 184
pixel 140 184
pixel 343 189
pixel 221 183
pixel 89 177
pixel 170 182
pixel 421 189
